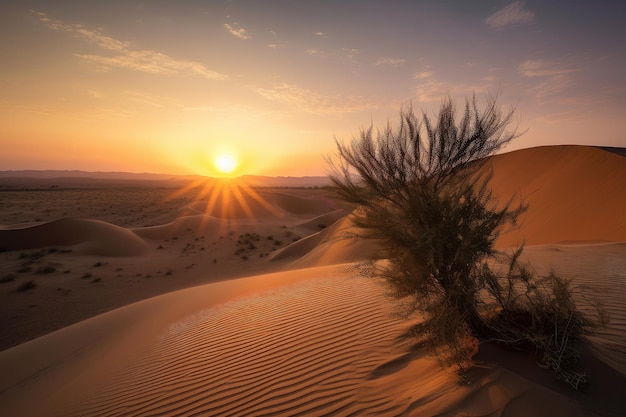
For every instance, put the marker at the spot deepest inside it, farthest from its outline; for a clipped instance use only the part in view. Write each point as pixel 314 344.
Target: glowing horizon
pixel 166 88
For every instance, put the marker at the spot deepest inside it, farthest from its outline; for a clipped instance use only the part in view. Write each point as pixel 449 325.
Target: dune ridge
pixel 92 237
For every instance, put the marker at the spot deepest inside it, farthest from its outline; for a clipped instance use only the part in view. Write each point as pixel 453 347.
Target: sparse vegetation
pixel 8 278
pixel 26 286
pixel 423 193
pixel 46 269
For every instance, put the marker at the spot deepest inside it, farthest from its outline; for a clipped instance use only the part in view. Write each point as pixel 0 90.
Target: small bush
pixel 46 269
pixel 26 286
pixel 8 278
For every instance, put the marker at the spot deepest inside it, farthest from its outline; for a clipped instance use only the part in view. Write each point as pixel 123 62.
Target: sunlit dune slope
pixel 323 220
pixel 312 342
pixel 333 245
pixel 574 193
pixel 87 236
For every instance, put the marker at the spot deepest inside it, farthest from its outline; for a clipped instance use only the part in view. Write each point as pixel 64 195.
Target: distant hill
pixel 54 174
pixel 75 178
pixel 263 181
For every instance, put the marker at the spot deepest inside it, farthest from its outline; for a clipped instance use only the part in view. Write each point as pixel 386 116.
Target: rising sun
pixel 225 163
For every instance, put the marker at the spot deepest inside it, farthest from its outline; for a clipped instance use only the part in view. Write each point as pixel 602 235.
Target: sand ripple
pixel 304 351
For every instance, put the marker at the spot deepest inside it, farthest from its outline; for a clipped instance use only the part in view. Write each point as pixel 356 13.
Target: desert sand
pixel 159 300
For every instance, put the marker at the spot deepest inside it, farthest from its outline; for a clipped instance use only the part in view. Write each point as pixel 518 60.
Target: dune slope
pixel 314 342
pixel 574 193
pixel 91 237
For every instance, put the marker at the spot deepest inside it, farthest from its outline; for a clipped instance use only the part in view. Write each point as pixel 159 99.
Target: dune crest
pixel 335 244
pixel 91 237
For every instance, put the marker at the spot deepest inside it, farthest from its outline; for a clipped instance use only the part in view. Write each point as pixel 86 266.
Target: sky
pixel 167 87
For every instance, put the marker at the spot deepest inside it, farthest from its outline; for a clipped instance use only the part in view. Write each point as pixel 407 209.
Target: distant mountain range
pixel 75 177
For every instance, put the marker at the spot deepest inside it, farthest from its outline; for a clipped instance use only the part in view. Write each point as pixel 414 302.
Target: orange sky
pixel 166 87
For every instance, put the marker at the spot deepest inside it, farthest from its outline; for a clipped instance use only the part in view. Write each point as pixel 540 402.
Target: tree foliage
pixel 423 192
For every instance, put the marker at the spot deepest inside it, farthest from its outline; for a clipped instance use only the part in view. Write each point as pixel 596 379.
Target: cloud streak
pixel 432 90
pixel 512 14
pixel 394 62
pixel 125 56
pixel 237 31
pixel 556 76
pixel 312 102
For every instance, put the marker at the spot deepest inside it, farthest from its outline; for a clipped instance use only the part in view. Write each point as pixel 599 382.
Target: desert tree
pixel 422 191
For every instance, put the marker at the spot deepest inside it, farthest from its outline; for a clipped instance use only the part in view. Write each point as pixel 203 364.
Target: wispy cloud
pixel 431 90
pixel 512 14
pixel 556 76
pixel 422 74
pixel 350 53
pixel 125 56
pixel 312 102
pixel 394 62
pixel 321 35
pixel 237 31
pixel 314 52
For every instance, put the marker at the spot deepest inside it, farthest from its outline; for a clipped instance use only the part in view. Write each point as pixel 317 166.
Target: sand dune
pixel 313 341
pixel 318 341
pixel 334 245
pixel 198 223
pixel 87 236
pixel 323 220
pixel 575 193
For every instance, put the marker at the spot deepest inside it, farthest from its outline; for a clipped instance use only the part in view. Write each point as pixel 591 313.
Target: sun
pixel 225 163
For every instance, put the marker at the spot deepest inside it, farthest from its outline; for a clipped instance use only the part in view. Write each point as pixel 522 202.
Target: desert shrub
pixel 423 192
pixel 46 269
pixel 8 278
pixel 541 313
pixel 26 286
